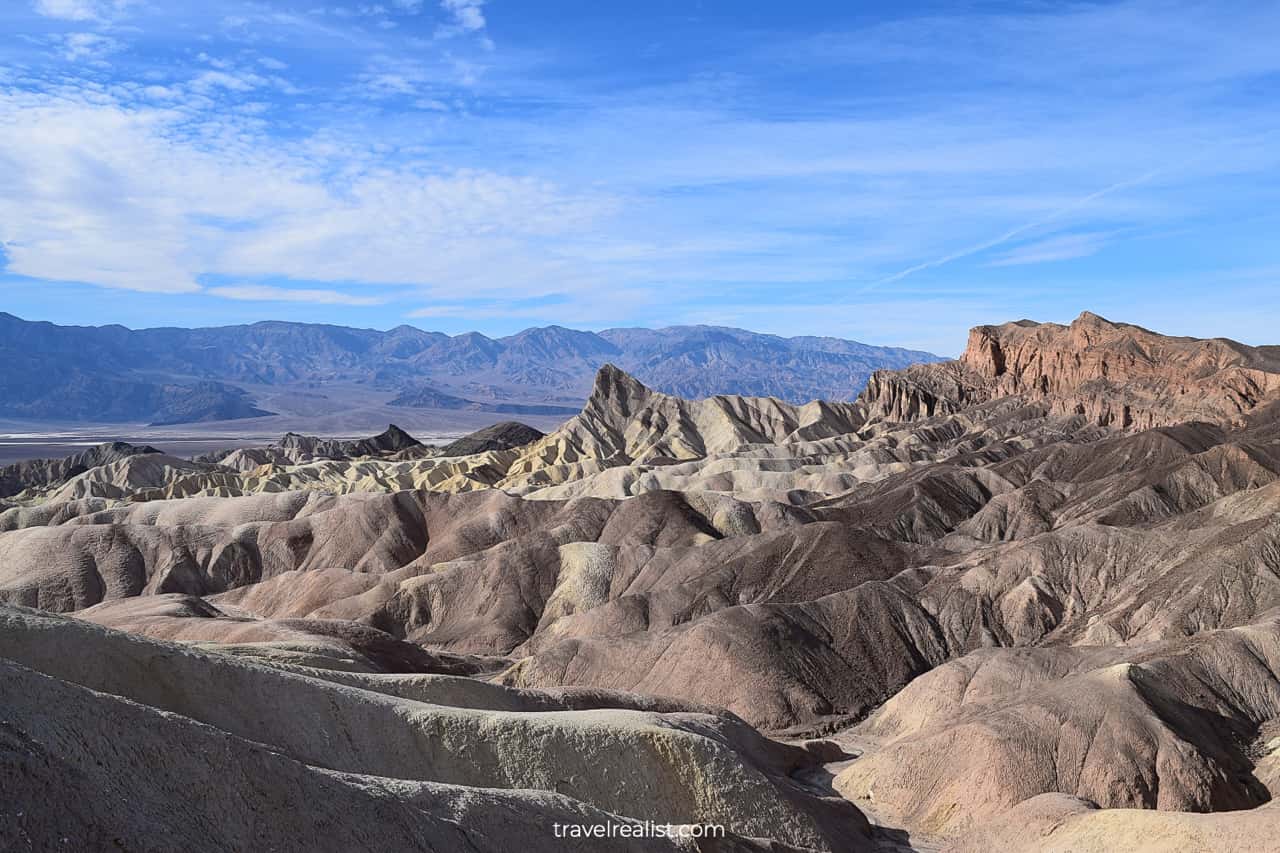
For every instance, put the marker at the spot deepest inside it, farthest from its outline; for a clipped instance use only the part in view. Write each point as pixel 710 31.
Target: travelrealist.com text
pixel 637 829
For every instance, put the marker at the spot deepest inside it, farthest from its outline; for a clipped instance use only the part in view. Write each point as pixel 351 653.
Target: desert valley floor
pixel 1027 600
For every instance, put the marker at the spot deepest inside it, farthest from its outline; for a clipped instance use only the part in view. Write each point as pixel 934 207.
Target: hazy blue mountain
pixel 427 397
pixel 173 375
pixel 699 361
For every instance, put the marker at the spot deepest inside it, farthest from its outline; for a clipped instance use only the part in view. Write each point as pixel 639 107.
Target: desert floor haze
pixel 1024 600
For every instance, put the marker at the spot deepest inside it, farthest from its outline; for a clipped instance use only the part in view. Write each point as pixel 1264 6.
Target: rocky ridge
pixel 1114 374
pixel 42 473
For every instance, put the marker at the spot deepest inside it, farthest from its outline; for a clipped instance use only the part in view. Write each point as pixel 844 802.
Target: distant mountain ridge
pixel 175 375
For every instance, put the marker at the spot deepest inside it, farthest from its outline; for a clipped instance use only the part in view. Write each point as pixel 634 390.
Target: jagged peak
pixel 394 431
pixel 1088 318
pixel 395 438
pixel 612 382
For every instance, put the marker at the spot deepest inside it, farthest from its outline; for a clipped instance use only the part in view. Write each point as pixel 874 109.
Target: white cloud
pixel 266 293
pixel 443 311
pixel 87 46
pixel 465 232
pixel 82 10
pixel 154 198
pixel 387 76
pixel 590 308
pixel 233 81
pixel 381 85
pixel 466 16
pixel 68 10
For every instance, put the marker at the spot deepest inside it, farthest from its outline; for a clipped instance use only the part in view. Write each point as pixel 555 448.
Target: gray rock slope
pixel 254 739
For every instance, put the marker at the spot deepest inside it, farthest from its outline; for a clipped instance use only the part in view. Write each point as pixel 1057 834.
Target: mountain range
pixel 111 374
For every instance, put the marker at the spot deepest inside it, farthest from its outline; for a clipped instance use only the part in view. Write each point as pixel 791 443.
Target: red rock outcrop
pixel 1115 374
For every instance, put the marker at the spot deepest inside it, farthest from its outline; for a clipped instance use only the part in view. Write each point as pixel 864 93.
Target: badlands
pixel 1024 600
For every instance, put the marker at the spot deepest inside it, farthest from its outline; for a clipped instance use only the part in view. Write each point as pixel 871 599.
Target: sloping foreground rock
pixel 678 767
pixel 85 770
pixel 329 643
pixel 1174 726
pixel 1057 823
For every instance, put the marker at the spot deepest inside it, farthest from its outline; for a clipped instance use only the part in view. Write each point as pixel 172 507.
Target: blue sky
pixel 890 172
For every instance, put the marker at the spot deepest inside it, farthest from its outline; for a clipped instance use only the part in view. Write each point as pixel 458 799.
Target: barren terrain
pixel 1025 600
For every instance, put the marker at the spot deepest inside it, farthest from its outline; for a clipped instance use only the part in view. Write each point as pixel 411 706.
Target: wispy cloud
pixel 465 15
pixel 151 198
pixel 1062 247
pixel 236 82
pixel 443 311
pixel 1039 222
pixel 265 293
pixel 82 10
pixel 78 47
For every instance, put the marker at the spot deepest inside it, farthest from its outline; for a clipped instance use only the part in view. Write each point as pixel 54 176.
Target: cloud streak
pixel 266 293
pixel 1032 225
pixel 1063 247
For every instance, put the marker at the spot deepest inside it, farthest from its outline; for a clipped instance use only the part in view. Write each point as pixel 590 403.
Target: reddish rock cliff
pixel 1115 374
